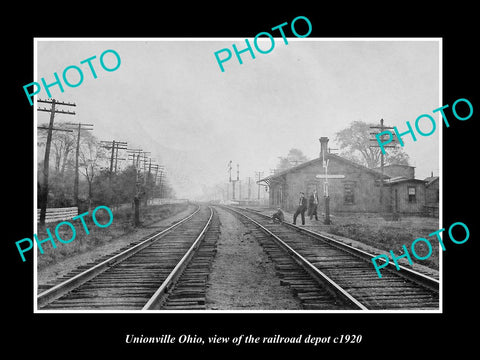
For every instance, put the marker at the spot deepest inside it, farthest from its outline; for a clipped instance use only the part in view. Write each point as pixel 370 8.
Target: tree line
pixel 100 181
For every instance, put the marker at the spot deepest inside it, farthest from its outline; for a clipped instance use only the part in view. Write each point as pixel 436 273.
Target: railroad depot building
pixel 353 187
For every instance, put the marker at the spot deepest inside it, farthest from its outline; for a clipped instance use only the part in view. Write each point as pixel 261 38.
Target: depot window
pixel 412 194
pixel 348 193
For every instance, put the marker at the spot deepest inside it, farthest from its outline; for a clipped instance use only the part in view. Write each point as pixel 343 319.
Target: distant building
pixel 351 187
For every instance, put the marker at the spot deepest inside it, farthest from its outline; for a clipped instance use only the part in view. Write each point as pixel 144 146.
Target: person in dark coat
pixel 278 216
pixel 302 207
pixel 313 205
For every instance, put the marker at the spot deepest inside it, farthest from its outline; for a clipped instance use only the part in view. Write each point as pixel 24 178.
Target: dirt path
pixel 242 277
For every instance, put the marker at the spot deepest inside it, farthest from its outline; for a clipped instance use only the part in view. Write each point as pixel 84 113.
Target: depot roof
pixel 267 180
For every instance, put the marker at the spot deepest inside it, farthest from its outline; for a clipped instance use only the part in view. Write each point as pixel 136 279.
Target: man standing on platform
pixel 302 207
pixel 312 205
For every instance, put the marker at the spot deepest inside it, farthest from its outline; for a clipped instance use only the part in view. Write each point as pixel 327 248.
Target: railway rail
pixel 346 271
pixel 138 278
pixel 188 291
pixel 170 269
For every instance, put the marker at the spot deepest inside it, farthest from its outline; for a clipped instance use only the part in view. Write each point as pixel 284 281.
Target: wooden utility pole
pixel 142 181
pixel 161 182
pixel 44 188
pixel 239 183
pixel 136 197
pixel 115 146
pixel 230 177
pixel 144 160
pixel 258 175
pixel 233 181
pixel 75 184
pixel 133 152
pixel 136 153
pixel 326 196
pixel 148 181
pixel 382 159
pixel 117 158
pixel 155 167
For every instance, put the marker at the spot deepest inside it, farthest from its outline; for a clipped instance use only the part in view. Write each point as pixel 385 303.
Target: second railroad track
pixel 137 278
pixel 345 271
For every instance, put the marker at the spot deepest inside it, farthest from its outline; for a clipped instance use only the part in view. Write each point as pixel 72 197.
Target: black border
pixel 382 333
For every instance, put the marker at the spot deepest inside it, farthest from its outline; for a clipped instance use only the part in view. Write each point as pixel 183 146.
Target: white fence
pixel 58 214
pixel 158 201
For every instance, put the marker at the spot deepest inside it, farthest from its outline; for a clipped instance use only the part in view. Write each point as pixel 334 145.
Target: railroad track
pixel 188 292
pixel 347 273
pixel 140 277
pixel 292 273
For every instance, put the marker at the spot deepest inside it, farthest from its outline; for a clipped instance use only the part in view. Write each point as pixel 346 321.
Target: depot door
pixel 279 196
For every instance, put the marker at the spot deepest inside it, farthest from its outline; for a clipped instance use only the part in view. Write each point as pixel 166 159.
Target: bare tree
pixel 63 146
pixel 91 156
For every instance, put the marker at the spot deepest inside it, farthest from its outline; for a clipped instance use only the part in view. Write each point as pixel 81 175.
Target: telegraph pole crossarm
pixel 57 111
pixel 49 101
pixel 54 129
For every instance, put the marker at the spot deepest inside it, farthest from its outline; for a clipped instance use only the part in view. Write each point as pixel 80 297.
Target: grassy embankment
pixel 122 224
pixel 391 235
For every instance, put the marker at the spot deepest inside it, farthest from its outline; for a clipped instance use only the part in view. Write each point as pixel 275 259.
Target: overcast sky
pixel 169 97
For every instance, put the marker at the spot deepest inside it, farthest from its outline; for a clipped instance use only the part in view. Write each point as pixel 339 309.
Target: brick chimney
pixel 323 146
